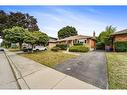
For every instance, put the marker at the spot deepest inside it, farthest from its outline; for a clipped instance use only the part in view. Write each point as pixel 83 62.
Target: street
pixel 7 79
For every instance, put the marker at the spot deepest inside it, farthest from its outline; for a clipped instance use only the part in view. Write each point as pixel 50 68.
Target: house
pixel 120 36
pixel 52 39
pixel 52 42
pixel 87 40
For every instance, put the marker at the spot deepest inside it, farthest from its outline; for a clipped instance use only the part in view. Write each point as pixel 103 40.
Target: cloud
pixel 51 23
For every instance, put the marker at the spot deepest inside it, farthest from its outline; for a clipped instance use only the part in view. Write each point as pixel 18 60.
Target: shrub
pixel 78 44
pixel 100 46
pixel 120 46
pixel 79 48
pixel 55 49
pixel 62 46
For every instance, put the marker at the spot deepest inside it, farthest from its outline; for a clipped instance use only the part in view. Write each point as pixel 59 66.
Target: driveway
pixel 89 67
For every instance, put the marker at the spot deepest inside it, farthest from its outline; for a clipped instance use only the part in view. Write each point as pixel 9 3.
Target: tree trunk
pixel 20 45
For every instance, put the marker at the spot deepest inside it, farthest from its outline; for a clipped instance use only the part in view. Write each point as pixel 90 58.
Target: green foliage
pixel 100 46
pixel 104 36
pixel 8 20
pixel 56 49
pixel 62 46
pixel 23 20
pixel 79 48
pixel 75 44
pixel 14 35
pixel 67 32
pixel 42 37
pixel 3 21
pixel 36 37
pixel 120 46
pixel 30 38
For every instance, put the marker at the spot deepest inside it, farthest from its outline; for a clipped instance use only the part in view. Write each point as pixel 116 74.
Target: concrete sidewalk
pixel 32 75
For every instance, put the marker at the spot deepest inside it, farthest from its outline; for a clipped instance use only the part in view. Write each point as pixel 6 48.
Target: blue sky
pixel 85 19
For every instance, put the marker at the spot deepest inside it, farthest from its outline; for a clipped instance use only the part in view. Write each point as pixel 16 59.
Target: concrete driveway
pixel 89 67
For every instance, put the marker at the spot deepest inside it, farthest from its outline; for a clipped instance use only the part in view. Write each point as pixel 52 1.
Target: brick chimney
pixel 94 34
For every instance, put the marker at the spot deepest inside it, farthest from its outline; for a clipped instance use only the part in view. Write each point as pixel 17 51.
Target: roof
pixel 74 37
pixel 120 32
pixel 52 38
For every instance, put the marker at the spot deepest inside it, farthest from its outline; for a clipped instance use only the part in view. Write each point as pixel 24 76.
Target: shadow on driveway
pixel 89 67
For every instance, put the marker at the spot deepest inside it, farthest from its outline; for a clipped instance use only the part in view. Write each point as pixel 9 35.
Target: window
pixel 81 41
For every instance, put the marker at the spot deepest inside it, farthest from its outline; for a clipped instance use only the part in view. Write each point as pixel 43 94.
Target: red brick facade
pixel 122 37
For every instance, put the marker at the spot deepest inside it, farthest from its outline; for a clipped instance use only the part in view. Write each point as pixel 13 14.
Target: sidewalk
pixel 32 75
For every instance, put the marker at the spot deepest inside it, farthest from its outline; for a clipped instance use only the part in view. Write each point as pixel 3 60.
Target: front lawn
pixel 49 58
pixel 117 70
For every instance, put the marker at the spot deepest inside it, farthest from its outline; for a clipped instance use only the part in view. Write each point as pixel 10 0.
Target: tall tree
pixel 31 23
pixel 23 20
pixel 67 32
pixel 17 19
pixel 104 35
pixel 3 21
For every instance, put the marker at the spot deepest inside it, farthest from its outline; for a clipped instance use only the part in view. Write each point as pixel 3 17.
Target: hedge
pixel 55 49
pixel 100 46
pixel 62 46
pixel 79 48
pixel 75 44
pixel 120 46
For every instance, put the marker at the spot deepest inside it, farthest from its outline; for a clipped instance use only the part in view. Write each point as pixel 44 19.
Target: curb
pixel 18 76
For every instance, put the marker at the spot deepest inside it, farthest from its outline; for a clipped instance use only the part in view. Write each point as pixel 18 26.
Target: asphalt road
pixel 89 67
pixel 7 79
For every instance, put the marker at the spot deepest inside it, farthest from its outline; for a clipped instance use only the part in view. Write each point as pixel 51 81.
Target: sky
pixel 85 19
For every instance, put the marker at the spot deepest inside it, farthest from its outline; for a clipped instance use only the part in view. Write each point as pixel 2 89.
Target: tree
pixel 3 21
pixel 14 35
pixel 67 32
pixel 36 37
pixel 42 38
pixel 23 20
pixel 105 35
pixel 17 19
pixel 30 38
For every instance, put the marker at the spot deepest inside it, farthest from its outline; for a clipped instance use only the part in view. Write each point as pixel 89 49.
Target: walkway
pixel 7 79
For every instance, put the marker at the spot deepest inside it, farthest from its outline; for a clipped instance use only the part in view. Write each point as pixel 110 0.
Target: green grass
pixel 117 70
pixel 49 58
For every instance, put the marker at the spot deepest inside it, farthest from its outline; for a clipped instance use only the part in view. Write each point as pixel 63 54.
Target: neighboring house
pixel 120 35
pixel 87 40
pixel 52 42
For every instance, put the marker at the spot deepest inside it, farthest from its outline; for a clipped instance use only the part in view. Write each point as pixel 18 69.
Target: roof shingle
pixel 74 37
pixel 120 32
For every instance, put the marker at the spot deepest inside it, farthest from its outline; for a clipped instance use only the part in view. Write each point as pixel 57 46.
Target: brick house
pixel 119 36
pixel 87 40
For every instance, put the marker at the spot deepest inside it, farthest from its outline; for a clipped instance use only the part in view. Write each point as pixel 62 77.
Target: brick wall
pixel 122 37
pixel 91 43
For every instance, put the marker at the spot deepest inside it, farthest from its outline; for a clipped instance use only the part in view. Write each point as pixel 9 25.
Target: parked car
pixel 36 48
pixel 1 49
pixel 27 49
pixel 39 48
